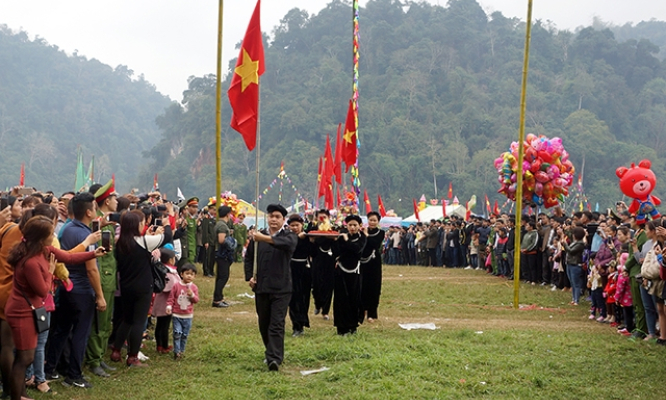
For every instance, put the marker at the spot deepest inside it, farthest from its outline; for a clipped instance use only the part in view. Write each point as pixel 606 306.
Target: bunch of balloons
pixel 547 171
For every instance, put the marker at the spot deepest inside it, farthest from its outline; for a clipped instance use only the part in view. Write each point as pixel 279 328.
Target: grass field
pixel 482 349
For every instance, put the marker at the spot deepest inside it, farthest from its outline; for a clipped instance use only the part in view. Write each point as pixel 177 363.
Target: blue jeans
pixel 575 274
pixel 181 330
pixel 650 311
pixel 37 366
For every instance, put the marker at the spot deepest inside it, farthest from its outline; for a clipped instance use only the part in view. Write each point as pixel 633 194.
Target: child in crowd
pixel 184 295
pixel 168 258
pixel 609 294
pixel 501 253
pixel 623 297
pixel 598 304
pixel 474 252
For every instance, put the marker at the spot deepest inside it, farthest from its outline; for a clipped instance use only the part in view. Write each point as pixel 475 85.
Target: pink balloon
pixel 541 177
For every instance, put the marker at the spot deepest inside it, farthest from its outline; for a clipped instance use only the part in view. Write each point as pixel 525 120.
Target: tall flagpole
pixel 256 204
pixel 218 113
pixel 521 156
pixel 355 181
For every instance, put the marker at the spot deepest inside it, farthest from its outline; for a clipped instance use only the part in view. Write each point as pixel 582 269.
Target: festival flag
pixel 180 195
pixel 22 177
pixel 444 206
pixel 244 90
pixel 468 211
pixel 488 205
pixel 380 206
pixel 366 200
pixel 496 209
pixel 349 150
pixel 91 173
pixel 416 210
pixel 156 186
pixel 450 190
pixel 529 211
pixel 337 165
pixel 339 199
pixel 329 165
pixel 320 186
pixel 80 182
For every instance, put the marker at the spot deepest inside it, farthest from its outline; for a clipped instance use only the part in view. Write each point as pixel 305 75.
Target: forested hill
pixel 440 90
pixel 50 103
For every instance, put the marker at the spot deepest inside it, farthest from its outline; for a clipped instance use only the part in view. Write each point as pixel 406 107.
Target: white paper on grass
pixel 314 371
pixel 430 326
pixel 246 294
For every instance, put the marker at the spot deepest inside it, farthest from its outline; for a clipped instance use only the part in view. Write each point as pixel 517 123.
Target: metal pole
pixel 521 156
pixel 218 114
pixel 257 160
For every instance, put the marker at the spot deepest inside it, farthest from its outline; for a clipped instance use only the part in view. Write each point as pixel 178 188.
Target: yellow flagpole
pixel 521 156
pixel 218 113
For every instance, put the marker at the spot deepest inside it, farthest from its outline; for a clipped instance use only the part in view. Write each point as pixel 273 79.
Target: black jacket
pixel 273 263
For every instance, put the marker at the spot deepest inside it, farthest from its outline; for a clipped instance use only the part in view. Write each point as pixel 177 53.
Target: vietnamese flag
pixel 382 210
pixel 329 167
pixel 450 195
pixel 337 165
pixel 443 208
pixel 244 90
pixel 349 150
pixel 320 185
pixel 468 212
pixel 337 189
pixel 22 177
pixel 496 209
pixel 366 200
pixel 488 205
pixel 328 197
pixel 416 210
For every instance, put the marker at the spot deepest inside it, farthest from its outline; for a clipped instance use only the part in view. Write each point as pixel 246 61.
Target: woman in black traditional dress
pixel 371 268
pixel 348 250
pixel 301 277
pixel 323 270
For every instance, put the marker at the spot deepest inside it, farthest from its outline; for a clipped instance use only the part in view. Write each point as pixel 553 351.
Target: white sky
pixel 169 40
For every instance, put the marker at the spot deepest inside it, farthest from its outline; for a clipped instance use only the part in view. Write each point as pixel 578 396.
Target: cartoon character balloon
pixel 547 171
pixel 638 182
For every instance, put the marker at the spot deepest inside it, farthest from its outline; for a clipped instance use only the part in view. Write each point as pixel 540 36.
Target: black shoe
pixel 220 304
pixel 106 366
pixel 661 342
pixel 297 333
pixel 317 311
pixel 53 376
pixel 79 383
pixel 273 366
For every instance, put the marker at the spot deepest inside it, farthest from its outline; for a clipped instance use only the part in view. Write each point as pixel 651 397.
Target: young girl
pixel 623 297
pixel 168 258
pixel 180 304
pixel 474 252
pixel 609 294
pixel 598 304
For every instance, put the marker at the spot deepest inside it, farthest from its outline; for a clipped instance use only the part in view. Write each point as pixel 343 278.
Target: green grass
pixel 550 351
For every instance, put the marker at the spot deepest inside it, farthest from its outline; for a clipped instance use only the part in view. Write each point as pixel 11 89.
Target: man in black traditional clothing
pixel 301 277
pixel 271 280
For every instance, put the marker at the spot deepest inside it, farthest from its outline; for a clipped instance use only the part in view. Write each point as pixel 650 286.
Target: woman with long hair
pixel 33 260
pixel 133 256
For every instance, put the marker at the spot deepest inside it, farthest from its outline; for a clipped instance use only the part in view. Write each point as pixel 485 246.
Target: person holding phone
pixel 107 204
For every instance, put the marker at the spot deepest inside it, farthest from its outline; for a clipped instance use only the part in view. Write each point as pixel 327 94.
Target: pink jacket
pixel 623 291
pixel 160 302
pixel 181 304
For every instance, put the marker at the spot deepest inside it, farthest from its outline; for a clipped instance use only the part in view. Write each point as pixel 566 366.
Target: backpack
pixel 650 267
pixel 227 249
pixel 158 270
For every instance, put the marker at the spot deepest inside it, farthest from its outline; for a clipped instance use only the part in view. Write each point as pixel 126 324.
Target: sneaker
pixel 297 333
pixel 115 355
pixel 326 317
pixel 134 361
pixel 317 311
pixel 273 366
pixel 591 317
pixel 468 267
pixel 52 376
pixel 613 324
pixel 661 342
pixel 79 383
pixel 477 268
pixel 220 304
pixel 543 283
pixel 601 320
pixel 553 288
pixel 99 371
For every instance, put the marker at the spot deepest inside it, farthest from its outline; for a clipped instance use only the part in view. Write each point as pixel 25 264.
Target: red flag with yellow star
pixel 337 166
pixel 321 189
pixel 244 90
pixel 380 206
pixel 366 200
pixel 349 139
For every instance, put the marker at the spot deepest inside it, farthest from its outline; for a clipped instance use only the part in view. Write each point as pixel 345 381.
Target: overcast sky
pixel 169 40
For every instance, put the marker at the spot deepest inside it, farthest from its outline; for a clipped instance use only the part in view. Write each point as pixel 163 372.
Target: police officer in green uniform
pixel 106 198
pixel 188 243
pixel 240 234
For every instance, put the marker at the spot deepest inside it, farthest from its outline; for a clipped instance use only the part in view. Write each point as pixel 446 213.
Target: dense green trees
pixel 439 101
pixel 50 103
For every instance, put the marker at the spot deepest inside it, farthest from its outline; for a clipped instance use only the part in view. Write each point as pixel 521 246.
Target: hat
pixel 193 201
pixel 223 211
pixel 168 246
pixel 294 218
pixel 353 218
pixel 106 191
pixel 276 207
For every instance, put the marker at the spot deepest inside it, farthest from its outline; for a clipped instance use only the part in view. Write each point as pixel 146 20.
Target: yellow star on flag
pixel 248 71
pixel 348 136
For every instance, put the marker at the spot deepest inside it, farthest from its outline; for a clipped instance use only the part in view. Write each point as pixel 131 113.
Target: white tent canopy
pixel 435 212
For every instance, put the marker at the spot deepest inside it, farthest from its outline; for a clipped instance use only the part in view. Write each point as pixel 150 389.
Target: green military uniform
pixel 491 246
pixel 633 268
pixel 208 236
pixel 188 244
pixel 240 234
pixel 101 329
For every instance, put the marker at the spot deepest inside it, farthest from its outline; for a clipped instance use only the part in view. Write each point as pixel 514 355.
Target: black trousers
pixel 135 308
pixel 323 276
pixel 209 260
pixel 347 301
pixel 222 278
pixel 371 287
pixel 271 313
pixel 162 331
pixel 532 267
pixel 78 318
pixel 301 278
pixel 546 268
